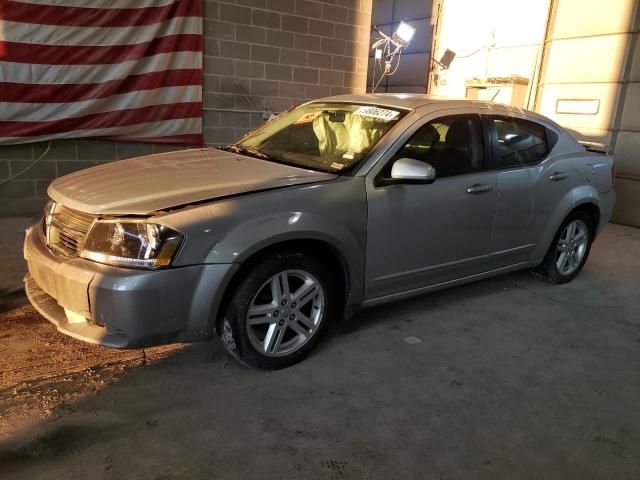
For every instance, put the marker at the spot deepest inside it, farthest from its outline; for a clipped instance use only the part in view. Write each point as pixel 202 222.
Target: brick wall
pixel 259 56
pixel 267 55
pixel 26 194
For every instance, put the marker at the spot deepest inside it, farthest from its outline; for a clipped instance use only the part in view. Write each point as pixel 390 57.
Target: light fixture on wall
pixel 446 59
pixel 388 50
pixel 404 33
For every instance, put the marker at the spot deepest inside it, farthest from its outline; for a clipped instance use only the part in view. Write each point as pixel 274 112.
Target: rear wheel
pixel 569 250
pixel 279 312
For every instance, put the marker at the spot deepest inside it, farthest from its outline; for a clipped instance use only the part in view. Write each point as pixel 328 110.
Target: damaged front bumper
pixel 121 307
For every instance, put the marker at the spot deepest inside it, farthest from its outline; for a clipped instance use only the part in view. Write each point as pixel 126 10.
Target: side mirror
pixel 410 170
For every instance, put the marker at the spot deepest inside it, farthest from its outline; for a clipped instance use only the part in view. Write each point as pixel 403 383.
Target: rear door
pixel 531 182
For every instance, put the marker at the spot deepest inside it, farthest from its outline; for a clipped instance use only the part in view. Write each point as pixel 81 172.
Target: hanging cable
pixel 32 164
pixel 390 48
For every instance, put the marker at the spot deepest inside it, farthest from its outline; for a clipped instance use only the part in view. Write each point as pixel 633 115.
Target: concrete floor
pixel 511 378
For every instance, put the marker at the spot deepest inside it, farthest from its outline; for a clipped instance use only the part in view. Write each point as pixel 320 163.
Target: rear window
pixel 520 142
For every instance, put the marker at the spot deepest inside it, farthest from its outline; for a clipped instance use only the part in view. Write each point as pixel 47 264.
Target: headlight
pixel 131 243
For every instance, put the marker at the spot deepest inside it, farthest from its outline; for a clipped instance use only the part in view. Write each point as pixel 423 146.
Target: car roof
pixel 401 100
pixel 411 101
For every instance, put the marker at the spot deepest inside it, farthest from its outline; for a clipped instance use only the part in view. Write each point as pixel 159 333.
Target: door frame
pixel 424 115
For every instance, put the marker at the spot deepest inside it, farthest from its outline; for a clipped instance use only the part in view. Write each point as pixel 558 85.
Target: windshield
pixel 330 137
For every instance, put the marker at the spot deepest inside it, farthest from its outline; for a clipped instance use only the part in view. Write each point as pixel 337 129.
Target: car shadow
pixel 423 304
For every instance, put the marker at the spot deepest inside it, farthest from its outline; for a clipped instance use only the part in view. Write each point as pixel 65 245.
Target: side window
pixel 519 142
pixel 452 145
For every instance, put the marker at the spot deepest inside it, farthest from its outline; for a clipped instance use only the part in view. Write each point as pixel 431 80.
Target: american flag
pixel 117 69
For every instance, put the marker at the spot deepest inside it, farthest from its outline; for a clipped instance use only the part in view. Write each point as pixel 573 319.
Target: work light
pixel 404 33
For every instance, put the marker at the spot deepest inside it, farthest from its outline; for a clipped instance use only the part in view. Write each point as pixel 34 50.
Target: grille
pixel 66 229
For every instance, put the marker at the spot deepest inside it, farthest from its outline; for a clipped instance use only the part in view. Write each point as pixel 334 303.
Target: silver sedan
pixel 342 203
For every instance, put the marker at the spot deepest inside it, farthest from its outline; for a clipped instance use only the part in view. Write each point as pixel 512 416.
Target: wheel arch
pixel 592 209
pixel 587 203
pixel 321 249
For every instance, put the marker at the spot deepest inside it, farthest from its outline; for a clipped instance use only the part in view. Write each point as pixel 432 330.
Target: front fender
pixel 251 237
pixel 230 231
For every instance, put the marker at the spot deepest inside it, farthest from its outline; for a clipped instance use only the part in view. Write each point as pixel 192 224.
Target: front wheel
pixel 569 250
pixel 280 310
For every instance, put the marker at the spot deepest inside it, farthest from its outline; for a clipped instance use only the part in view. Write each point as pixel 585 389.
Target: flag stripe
pixel 125 69
pixel 97 36
pixel 78 74
pixel 33 112
pixel 96 17
pixel 34 93
pixel 87 55
pixel 187 126
pixel 142 4
pixel 102 120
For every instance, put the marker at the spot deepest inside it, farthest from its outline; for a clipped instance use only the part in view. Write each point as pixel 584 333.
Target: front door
pixel 421 235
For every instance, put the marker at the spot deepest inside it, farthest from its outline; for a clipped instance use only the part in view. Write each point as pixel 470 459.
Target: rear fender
pixel 580 195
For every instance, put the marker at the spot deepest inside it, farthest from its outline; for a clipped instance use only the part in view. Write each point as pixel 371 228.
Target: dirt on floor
pixel 43 371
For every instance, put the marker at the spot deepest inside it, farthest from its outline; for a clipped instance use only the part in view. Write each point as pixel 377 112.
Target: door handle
pixel 479 188
pixel 555 176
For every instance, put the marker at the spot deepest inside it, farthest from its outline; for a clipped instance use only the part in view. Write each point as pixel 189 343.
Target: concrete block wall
pixel 26 194
pixel 266 55
pixel 610 73
pixel 259 55
pixel 626 138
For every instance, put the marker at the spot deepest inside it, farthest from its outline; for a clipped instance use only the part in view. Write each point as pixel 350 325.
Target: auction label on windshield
pixel 377 112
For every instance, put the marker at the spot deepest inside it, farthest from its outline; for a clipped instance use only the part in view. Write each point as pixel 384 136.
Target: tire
pixel 263 326
pixel 557 271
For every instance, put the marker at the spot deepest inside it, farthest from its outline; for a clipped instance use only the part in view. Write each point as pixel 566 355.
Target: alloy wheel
pixel 285 313
pixel 572 247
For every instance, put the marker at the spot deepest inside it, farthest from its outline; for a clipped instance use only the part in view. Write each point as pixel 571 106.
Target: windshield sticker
pixel 337 166
pixel 348 156
pixel 377 112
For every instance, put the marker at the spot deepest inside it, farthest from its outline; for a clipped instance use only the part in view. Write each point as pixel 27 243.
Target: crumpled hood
pixel 143 185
